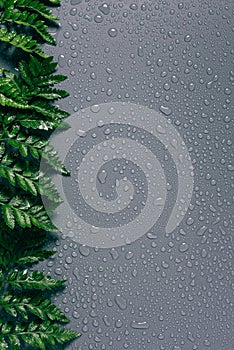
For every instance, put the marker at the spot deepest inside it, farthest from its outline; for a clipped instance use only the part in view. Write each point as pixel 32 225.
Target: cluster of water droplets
pixel 171 291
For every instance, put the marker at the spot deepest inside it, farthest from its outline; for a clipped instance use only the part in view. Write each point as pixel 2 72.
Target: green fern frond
pixel 49 80
pixel 48 110
pixel 36 6
pixel 33 256
pixel 28 19
pixel 18 305
pixel 9 102
pixel 35 68
pixel 48 189
pixel 27 117
pixel 38 336
pixel 18 210
pixel 52 158
pixel 40 124
pixel 23 280
pixel 50 94
pixel 20 175
pixel 27 144
pixel 21 41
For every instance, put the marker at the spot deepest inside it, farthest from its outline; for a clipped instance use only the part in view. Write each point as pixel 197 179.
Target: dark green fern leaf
pixel 27 144
pixel 8 216
pixel 37 335
pixel 23 280
pixel 28 19
pixel 22 306
pixel 36 6
pixel 51 94
pixel 49 80
pixel 27 117
pixel 40 124
pixel 21 41
pixel 19 210
pixel 7 101
pixel 20 175
pixel 35 67
pixel 48 110
pixel 32 256
pixel 48 189
pixel 52 158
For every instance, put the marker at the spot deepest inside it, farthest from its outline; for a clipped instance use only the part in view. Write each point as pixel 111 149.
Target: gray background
pixel 164 291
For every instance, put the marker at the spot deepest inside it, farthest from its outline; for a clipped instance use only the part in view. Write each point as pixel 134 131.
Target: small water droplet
pixel 102 175
pixel 85 251
pixel 183 247
pixel 140 325
pixel 121 302
pixel 112 32
pixel 104 8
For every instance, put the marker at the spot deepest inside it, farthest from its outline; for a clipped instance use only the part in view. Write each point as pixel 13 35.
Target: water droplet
pixel 187 38
pixel 165 110
pixel 112 32
pixel 98 18
pixel 140 325
pixel 85 251
pixel 121 302
pixel 75 2
pixel 102 175
pixel 140 51
pixel 61 60
pixel 104 8
pixel 183 247
pixel 133 6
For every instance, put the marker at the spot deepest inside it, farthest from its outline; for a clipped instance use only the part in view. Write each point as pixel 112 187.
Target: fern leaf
pixel 38 75
pixel 7 101
pixel 48 110
pixel 17 305
pixel 52 158
pixel 26 109
pixel 16 174
pixel 49 80
pixel 36 6
pixel 41 68
pixel 40 124
pixel 48 189
pixel 38 336
pixel 28 19
pixel 51 94
pixel 35 281
pixel 22 41
pixel 25 72
pixel 25 214
pixel 4 345
pixel 32 256
pixel 49 311
pixel 26 144
pixel 40 219
pixel 8 216
pixel 10 85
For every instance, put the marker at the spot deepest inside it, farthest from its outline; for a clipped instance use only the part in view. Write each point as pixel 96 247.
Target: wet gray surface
pixel 163 290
